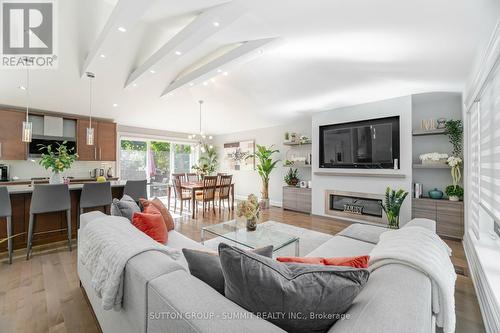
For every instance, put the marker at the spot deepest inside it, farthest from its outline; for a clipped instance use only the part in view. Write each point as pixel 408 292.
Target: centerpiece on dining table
pixel 250 209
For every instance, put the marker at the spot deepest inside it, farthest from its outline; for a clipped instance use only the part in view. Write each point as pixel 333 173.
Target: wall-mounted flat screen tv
pixel 369 144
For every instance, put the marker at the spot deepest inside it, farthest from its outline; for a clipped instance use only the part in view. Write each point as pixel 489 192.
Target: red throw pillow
pixel 357 262
pixel 167 217
pixel 302 260
pixel 152 225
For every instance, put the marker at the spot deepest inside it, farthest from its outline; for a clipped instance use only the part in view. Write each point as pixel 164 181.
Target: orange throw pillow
pixel 356 262
pixel 152 225
pixel 167 217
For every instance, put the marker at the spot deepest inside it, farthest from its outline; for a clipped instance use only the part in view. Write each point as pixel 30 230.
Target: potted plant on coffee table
pixel 250 209
pixel 57 160
pixel 265 166
pixel 392 206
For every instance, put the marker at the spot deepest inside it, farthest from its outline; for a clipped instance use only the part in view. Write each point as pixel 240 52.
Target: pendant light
pixel 27 132
pixel 201 137
pixel 90 129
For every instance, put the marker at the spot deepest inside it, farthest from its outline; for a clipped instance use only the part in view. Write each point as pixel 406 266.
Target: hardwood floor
pixel 43 294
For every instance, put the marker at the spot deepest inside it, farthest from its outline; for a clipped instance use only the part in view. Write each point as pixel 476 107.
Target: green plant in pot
pixel 455 132
pixel 292 178
pixel 392 205
pixel 57 160
pixel 265 166
pixel 455 191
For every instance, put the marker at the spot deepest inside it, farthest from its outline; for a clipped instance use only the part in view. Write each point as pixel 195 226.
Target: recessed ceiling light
pixel 122 29
pixel 134 84
pixel 22 87
pixel 205 83
pixel 225 73
pixel 213 80
pixel 219 70
pixel 216 24
pixel 115 105
pixel 178 52
pixel 152 71
pixel 102 56
pixel 191 84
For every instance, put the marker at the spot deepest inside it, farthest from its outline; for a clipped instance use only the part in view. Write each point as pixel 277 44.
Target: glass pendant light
pixel 90 129
pixel 27 131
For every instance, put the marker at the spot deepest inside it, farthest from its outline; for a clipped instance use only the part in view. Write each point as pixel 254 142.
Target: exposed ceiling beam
pixel 212 68
pixel 202 27
pixel 123 18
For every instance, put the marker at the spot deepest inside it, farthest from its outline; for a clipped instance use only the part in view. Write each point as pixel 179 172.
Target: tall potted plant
pixel 454 130
pixel 264 167
pixel 392 206
pixel 57 160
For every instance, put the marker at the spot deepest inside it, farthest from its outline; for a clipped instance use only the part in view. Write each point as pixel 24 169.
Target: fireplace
pixel 362 207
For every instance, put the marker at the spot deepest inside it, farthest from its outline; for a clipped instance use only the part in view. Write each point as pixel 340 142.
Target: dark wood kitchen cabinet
pixel 104 148
pixel 11 146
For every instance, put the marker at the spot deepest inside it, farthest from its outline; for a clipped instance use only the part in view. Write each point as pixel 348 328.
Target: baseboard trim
pixel 271 202
pixel 489 308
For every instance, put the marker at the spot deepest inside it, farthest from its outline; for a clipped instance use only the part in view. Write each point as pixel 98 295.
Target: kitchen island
pixel 49 227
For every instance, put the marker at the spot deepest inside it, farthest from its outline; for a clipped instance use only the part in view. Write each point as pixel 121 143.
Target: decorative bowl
pixel 435 194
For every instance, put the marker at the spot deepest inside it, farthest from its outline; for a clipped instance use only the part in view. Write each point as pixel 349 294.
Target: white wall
pixel 401 106
pixel 249 181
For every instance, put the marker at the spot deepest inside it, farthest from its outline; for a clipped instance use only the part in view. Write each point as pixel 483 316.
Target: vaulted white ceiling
pixel 322 54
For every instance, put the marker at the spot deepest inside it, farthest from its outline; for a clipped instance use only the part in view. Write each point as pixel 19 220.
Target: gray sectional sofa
pixel 161 296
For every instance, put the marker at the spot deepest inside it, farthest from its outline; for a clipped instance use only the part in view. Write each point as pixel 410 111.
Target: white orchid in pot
pixel 455 191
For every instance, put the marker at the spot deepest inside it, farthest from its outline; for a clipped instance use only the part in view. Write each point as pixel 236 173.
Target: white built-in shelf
pixel 296 143
pixel 430 166
pixel 379 174
pixel 298 165
pixel 420 132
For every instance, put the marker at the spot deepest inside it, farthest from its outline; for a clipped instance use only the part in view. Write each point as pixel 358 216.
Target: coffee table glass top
pixel 235 231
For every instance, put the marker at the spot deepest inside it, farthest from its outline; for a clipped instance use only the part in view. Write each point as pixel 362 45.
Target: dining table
pixel 193 187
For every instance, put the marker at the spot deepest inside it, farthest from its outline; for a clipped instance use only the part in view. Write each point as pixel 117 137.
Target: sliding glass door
pixel 154 160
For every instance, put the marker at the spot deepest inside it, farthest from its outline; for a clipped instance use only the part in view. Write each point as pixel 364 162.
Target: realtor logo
pixel 28 32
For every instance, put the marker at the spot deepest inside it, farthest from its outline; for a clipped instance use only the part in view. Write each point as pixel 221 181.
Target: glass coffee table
pixel 236 231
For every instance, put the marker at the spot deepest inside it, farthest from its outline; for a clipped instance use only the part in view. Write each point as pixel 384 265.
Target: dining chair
pixel 207 195
pixel 224 190
pixel 136 189
pixel 192 177
pixel 95 195
pixel 181 194
pixel 6 212
pixel 180 175
pixel 47 199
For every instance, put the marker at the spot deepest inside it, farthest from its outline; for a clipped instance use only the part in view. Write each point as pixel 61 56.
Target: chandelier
pixel 202 140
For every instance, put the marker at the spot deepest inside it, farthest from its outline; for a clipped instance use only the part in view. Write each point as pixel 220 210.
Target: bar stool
pixel 47 199
pixel 6 212
pixel 95 195
pixel 136 189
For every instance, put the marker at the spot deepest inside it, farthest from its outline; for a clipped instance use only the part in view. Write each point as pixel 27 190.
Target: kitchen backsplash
pixel 30 168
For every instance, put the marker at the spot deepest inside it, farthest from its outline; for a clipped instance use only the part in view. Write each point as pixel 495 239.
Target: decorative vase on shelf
pixel 454 198
pixel 252 224
pixel 435 194
pixel 55 178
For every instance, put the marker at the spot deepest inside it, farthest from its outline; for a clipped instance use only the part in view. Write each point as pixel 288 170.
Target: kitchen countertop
pixel 46 181
pixel 18 189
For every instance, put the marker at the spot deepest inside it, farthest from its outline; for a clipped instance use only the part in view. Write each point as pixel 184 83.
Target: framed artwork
pixel 236 153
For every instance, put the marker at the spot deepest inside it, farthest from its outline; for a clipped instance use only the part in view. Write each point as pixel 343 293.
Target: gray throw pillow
pixel 125 207
pixel 206 265
pixel 295 297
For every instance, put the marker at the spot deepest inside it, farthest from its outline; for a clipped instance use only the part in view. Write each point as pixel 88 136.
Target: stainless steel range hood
pixel 51 130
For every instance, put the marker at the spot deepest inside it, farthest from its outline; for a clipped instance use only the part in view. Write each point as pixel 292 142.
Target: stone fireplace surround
pixel 353 201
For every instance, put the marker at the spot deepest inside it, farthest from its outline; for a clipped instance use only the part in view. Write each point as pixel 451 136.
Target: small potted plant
pixel 291 178
pixel 393 202
pixel 57 160
pixel 250 209
pixel 454 192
